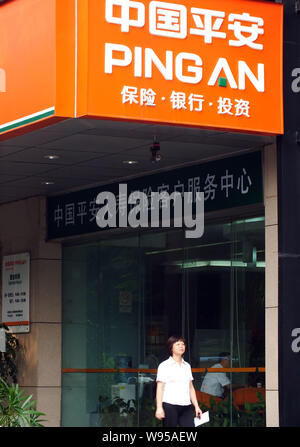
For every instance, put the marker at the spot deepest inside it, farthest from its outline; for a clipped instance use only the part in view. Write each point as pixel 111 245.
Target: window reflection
pixel 124 296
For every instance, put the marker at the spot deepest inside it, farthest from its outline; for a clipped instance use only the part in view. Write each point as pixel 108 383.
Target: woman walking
pixel 175 392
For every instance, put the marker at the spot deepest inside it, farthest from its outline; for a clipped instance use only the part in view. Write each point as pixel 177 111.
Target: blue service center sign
pixel 225 183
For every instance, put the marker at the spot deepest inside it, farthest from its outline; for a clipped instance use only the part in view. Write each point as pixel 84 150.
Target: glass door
pixel 124 296
pixel 101 312
pixel 224 302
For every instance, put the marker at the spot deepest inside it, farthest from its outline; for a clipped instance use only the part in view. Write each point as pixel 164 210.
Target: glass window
pixel 124 296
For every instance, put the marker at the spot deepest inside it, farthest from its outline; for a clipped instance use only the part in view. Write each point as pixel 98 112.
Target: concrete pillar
pixel 23 229
pixel 271 297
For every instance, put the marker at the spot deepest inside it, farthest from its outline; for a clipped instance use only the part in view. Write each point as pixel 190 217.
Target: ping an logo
pixel 2 80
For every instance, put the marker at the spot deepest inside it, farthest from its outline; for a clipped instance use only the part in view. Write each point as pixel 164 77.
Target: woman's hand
pixel 160 414
pixel 194 400
pixel 198 412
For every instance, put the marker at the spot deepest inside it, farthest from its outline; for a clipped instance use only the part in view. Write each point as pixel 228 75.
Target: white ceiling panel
pixel 92 151
pixel 18 168
pixel 38 155
pixel 82 172
pixel 8 150
pixel 93 143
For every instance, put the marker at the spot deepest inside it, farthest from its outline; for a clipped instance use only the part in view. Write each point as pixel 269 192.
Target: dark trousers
pixel 175 415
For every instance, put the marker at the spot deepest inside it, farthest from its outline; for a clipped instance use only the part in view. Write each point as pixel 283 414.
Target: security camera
pixel 155 155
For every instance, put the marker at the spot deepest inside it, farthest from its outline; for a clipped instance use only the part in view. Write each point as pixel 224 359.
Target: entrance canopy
pixel 76 153
pixel 88 85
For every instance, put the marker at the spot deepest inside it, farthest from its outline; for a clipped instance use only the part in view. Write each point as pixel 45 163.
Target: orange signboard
pixel 27 62
pixel 209 63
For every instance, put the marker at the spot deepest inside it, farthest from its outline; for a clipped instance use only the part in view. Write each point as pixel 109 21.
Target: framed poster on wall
pixel 15 292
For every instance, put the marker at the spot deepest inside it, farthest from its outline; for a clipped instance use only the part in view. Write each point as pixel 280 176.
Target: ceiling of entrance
pixel 90 152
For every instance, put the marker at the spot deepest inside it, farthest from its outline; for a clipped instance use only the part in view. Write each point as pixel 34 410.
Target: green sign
pixel 225 183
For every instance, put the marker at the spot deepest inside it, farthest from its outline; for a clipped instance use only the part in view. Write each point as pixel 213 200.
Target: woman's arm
pixel 159 414
pixel 194 400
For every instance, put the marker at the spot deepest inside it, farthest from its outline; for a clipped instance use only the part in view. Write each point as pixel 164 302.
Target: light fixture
pixel 51 156
pixel 130 162
pixel 218 263
pixel 47 183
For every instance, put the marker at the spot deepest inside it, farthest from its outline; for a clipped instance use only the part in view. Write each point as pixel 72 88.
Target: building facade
pixel 99 112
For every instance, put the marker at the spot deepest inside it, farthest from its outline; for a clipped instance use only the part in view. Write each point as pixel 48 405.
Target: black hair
pixel 223 356
pixel 174 339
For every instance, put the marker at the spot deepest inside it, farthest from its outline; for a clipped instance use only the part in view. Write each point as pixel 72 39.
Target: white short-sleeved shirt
pixel 177 380
pixel 214 382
